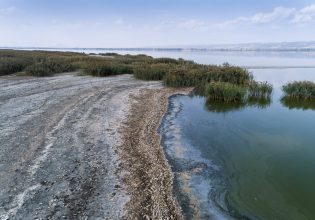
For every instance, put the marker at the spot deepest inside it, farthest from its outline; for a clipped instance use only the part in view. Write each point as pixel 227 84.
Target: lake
pixel 253 161
pixel 244 162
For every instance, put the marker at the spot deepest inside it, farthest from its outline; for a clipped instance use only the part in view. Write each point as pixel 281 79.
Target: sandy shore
pixel 78 147
pixel 149 178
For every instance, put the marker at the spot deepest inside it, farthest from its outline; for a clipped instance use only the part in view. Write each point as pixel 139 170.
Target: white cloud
pixel 301 18
pixel 278 14
pixel 192 24
pixel 7 11
pixel 309 9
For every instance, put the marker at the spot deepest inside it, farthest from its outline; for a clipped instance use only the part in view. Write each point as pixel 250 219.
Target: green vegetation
pixel 221 83
pixel 195 74
pixel 49 66
pixel 37 63
pixel 228 92
pixel 299 90
pixel 225 92
pixel 260 89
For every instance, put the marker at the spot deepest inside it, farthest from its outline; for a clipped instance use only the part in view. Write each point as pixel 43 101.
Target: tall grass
pixel 9 65
pixel 154 71
pixel 259 89
pixel 194 75
pixel 299 90
pixel 226 92
pixel 37 63
pixel 227 83
pixel 49 66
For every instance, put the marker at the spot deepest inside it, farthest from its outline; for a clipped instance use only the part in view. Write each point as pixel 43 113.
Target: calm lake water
pixel 243 161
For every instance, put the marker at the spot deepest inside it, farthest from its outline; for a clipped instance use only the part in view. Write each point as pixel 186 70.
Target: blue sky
pixel 140 23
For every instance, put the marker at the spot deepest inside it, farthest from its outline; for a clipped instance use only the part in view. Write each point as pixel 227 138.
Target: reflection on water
pixel 292 103
pixel 224 107
pixel 255 161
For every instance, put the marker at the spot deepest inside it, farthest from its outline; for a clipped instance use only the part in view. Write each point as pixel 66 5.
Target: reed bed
pixel 260 89
pixel 225 83
pixel 228 92
pixel 193 75
pixel 299 90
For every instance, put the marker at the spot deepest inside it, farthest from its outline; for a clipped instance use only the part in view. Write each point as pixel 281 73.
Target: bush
pixel 9 65
pixel 105 68
pixel 195 75
pixel 151 71
pixel 226 92
pixel 260 89
pixel 49 67
pixel 300 90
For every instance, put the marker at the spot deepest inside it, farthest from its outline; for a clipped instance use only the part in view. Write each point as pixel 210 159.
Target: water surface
pixel 244 162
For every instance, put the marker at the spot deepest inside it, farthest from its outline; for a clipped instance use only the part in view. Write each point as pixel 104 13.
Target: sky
pixel 153 23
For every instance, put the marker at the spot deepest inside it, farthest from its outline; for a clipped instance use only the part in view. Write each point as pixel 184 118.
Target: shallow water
pixel 244 162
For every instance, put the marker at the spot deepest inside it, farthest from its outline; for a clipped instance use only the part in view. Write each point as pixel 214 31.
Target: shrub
pixel 226 92
pixel 151 71
pixel 300 90
pixel 9 65
pixel 105 68
pixel 260 89
pixel 195 75
pixel 49 67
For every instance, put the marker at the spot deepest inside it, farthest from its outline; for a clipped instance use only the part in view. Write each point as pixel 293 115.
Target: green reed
pixel 299 90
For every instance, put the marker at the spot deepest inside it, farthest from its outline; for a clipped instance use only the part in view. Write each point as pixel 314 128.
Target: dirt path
pixel 58 138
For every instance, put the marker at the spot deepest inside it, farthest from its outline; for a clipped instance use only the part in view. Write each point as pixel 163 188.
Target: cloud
pixel 7 11
pixel 278 14
pixel 309 9
pixel 301 18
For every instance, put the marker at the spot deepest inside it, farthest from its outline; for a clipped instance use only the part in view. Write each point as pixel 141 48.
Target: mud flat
pixel 78 147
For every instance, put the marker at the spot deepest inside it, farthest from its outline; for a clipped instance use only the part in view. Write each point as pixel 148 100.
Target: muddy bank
pixel 149 178
pixel 58 146
pixel 78 147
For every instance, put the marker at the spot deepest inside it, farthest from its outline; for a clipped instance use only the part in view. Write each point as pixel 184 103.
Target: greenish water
pixel 244 161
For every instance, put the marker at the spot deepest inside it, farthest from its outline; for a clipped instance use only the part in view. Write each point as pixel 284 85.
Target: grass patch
pixel 226 92
pixel 299 90
pixel 222 83
pixel 192 75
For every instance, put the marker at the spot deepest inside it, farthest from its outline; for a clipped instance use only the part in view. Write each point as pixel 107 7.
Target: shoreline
pixel 148 176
